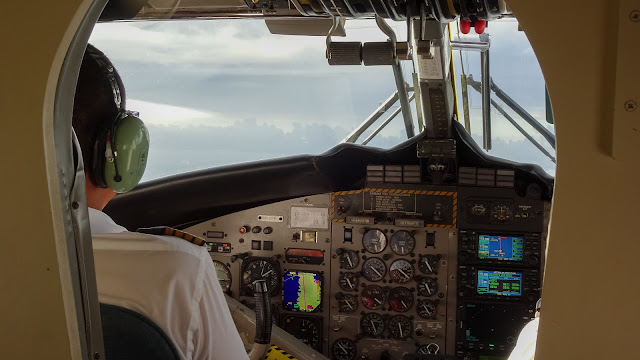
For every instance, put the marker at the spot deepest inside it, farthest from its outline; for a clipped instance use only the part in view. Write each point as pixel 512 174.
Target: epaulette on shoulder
pixel 165 230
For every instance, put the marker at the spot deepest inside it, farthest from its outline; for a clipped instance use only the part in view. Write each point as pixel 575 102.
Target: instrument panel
pixel 390 269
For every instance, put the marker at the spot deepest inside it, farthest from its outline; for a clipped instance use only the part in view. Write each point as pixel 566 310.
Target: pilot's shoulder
pixel 168 238
pixel 173 233
pixel 157 239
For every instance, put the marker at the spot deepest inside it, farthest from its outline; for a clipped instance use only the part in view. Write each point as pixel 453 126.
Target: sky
pixel 220 92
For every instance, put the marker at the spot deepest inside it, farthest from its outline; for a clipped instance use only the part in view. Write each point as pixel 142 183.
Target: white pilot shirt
pixel 169 280
pixel 526 346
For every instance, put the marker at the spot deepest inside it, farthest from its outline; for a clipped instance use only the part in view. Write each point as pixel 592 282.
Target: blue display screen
pixel 503 283
pixel 302 291
pixel 496 247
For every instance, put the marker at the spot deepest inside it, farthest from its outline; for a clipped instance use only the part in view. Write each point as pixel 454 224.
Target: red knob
pixel 465 26
pixel 480 25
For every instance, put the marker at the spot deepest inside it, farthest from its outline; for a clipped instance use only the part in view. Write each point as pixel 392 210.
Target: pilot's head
pixel 114 142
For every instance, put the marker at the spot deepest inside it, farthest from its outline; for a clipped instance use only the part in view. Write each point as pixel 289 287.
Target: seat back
pixel 129 335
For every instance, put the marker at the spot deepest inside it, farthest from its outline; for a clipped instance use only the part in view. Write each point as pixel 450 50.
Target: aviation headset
pixel 121 147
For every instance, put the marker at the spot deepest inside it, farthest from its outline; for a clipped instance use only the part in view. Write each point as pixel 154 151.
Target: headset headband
pixel 109 72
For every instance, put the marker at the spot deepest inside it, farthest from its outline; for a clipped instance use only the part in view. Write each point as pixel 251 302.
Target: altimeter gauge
pixel 257 269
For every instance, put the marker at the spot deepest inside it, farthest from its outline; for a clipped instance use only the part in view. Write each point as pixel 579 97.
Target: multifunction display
pixel 496 247
pixel 302 291
pixel 493 324
pixel 499 283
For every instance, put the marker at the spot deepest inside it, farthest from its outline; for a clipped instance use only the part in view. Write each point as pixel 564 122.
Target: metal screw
pixel 635 16
pixel 630 105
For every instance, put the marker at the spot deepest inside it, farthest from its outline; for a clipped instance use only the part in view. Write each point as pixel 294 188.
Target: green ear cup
pixel 132 147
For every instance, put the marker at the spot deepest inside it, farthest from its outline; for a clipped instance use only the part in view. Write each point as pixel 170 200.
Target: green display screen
pixel 302 291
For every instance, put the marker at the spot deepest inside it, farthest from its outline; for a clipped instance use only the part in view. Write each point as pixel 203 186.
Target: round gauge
pixel 347 303
pixel 400 327
pixel 401 271
pixel 305 329
pixel 501 214
pixel 400 299
pixel 257 269
pixel 373 297
pixel 348 281
pixel 223 274
pixel 349 259
pixel 343 349
pixel 427 286
pixel 431 349
pixel 374 269
pixel 427 308
pixel 372 324
pixel 374 241
pixel 402 243
pixel 428 264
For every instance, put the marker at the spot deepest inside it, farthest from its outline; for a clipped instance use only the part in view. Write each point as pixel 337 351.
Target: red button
pixel 465 26
pixel 480 25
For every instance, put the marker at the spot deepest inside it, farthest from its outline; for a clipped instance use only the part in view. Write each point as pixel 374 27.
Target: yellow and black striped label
pixel 165 230
pixel 275 353
pixel 417 196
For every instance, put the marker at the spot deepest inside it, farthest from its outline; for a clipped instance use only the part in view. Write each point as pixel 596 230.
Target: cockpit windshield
pixel 221 92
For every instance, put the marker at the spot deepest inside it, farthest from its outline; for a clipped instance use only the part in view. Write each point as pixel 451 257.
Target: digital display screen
pixel 502 283
pixel 496 247
pixel 302 291
pixel 493 324
pixel 215 234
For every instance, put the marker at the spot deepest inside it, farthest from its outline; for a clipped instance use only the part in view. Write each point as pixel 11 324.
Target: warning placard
pixel 385 202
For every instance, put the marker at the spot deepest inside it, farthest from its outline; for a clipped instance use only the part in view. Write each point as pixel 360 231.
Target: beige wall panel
pixel 33 324
pixel 590 289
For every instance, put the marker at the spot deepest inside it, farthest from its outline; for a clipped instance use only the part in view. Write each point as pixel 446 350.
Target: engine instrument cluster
pixel 390 269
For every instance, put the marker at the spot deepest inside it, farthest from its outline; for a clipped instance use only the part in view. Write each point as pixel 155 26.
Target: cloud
pixel 197 148
pixel 168 115
pixel 202 46
pixel 220 92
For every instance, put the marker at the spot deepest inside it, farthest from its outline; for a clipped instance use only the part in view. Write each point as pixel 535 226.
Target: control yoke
pixel 263 320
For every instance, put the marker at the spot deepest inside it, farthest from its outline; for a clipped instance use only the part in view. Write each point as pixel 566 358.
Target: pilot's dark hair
pixel 93 104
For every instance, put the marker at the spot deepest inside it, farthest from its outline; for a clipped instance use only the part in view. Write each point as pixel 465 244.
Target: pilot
pixel 171 281
pixel 526 346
